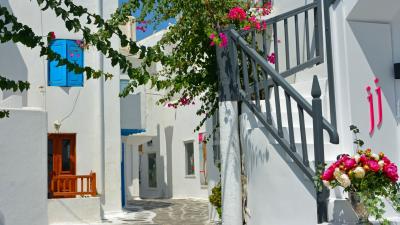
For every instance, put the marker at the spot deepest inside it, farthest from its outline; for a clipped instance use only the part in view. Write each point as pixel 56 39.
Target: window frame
pixel 191 175
pixel 67 81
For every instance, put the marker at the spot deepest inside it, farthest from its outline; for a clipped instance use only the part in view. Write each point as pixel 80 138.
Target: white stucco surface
pixel 23 168
pixel 79 109
pixel 74 210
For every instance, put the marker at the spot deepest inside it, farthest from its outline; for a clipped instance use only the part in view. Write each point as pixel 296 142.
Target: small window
pixel 189 149
pixel 123 83
pixel 60 75
pixel 152 160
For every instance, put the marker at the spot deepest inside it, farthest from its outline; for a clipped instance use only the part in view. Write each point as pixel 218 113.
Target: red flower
pixel 386 160
pixel 363 159
pixel 349 163
pixel 373 165
pixel 237 13
pixel 52 35
pixel 328 174
pixel 390 171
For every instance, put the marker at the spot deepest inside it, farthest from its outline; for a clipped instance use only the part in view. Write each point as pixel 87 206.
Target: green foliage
pixel 216 198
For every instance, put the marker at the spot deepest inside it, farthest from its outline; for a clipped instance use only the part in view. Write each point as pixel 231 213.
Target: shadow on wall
pixel 2 219
pixel 169 134
pixel 12 66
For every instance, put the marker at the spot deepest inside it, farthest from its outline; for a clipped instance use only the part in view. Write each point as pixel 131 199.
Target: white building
pixel 36 153
pixel 163 154
pixel 365 46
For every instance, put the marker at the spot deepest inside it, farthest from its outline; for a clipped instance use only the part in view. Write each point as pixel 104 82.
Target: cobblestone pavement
pixel 163 212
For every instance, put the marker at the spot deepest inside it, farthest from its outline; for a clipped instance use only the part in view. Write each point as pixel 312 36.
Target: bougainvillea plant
pixel 369 175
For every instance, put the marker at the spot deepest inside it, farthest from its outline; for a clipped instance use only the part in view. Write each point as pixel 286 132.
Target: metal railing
pixel 73 185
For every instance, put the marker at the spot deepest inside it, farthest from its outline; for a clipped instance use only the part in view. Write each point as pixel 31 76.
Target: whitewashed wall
pixel 365 35
pixel 78 108
pixel 23 168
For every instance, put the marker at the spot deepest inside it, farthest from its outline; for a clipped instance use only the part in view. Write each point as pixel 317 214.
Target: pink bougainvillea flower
pixel 141 28
pixel 237 13
pixel 52 35
pixel 391 172
pixel 373 165
pixel 271 58
pixel 247 27
pixel 212 37
pixel 224 40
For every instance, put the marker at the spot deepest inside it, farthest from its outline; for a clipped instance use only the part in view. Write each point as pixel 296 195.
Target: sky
pixel 149 31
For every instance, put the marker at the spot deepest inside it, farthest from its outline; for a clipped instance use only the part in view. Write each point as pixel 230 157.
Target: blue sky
pixel 141 35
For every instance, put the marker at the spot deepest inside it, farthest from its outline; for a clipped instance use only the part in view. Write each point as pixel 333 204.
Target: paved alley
pixel 163 212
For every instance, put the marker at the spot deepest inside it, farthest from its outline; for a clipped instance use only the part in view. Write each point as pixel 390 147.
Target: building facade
pixel 72 123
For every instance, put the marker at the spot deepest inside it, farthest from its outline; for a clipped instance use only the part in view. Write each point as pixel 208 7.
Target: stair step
pixel 331 151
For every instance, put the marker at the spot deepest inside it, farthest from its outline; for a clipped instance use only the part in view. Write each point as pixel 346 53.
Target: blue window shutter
pixel 57 74
pixel 74 55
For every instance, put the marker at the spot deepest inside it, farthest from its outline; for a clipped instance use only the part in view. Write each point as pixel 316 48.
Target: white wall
pixel 23 168
pixel 78 108
pixel 74 210
pixel 365 36
pixel 277 191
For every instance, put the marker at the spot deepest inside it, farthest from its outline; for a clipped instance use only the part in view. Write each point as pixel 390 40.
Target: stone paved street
pixel 163 212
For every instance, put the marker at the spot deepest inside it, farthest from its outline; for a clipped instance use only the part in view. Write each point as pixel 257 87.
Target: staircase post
pixel 322 196
pixel 229 137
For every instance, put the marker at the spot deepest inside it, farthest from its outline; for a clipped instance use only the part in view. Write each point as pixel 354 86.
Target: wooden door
pixel 61 156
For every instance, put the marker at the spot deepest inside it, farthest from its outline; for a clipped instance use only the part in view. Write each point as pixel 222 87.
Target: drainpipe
pixel 101 105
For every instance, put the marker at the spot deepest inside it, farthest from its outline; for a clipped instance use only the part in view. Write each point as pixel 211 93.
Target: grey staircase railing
pixel 253 79
pixel 250 67
pixel 303 21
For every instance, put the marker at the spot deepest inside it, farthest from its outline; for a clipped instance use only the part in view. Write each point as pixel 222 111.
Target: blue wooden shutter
pixel 57 74
pixel 74 55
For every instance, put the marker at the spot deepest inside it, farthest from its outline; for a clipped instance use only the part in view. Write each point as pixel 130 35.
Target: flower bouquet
pixel 368 178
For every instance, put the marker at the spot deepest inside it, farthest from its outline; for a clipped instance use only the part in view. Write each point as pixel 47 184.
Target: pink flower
pixel 391 172
pixel 328 174
pixel 141 28
pixel 373 165
pixel 386 160
pixel 212 37
pixel 247 27
pixel 237 13
pixel 350 163
pixel 224 40
pixel 363 159
pixel 271 58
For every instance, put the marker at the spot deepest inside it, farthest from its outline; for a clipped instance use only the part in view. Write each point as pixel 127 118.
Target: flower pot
pixel 359 209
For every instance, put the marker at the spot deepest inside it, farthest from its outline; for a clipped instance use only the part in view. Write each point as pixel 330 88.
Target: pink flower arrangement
pixel 348 171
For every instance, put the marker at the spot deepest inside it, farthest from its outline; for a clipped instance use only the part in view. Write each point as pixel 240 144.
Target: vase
pixel 359 208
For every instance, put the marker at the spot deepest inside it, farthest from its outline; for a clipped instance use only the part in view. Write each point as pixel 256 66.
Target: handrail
pixel 73 185
pixel 333 135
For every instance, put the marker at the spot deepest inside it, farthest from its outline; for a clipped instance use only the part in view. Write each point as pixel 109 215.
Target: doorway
pixel 61 157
